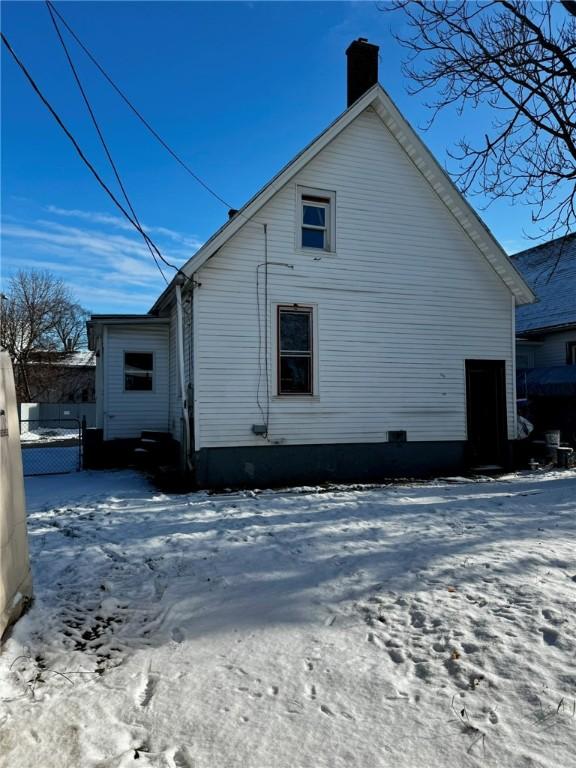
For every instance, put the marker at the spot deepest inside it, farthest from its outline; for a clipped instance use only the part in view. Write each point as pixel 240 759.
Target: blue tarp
pixel 555 381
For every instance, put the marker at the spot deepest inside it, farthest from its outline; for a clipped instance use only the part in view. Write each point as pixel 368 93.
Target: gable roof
pixel 550 270
pixel 378 99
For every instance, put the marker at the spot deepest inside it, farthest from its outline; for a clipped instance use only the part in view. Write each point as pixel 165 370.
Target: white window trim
pixel 138 352
pixel 330 224
pixel 274 315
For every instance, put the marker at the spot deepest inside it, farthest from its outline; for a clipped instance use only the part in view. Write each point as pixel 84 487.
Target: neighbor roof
pixel 550 270
pixel 383 105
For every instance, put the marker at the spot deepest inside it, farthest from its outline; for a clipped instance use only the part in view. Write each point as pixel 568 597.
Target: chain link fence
pixel 51 446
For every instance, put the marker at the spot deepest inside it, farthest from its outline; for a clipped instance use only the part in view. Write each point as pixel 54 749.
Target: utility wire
pixel 83 157
pixel 138 114
pixel 101 136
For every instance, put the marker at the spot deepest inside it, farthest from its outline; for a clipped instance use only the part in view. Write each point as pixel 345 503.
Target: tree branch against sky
pixel 519 59
pixel 38 314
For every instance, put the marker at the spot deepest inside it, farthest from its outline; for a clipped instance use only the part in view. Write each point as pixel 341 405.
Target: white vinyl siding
pixel 187 336
pixel 553 349
pixel 127 413
pixel 404 301
pixel 175 410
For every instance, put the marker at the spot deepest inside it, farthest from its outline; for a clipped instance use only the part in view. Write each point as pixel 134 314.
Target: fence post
pixel 82 438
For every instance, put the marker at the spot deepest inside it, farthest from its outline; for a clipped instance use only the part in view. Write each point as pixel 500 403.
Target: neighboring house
pixel 546 335
pixel 62 377
pixel 353 321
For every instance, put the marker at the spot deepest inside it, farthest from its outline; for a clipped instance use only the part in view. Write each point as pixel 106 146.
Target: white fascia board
pixel 445 188
pixel 97 323
pixel 251 208
pixel 420 156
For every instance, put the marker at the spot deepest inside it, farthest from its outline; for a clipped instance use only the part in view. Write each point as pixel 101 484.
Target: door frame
pixel 499 367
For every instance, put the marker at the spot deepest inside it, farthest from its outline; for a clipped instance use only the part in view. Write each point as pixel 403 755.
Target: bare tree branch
pixel 519 59
pixel 38 314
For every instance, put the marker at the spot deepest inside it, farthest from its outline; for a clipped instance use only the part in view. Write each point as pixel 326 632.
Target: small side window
pixel 571 353
pixel 295 363
pixel 138 371
pixel 316 220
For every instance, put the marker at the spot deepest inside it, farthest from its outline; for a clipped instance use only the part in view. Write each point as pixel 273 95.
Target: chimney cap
pixel 362 42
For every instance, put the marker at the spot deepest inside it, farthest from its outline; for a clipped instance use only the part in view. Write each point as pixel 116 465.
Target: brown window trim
pixel 315 199
pixel 310 312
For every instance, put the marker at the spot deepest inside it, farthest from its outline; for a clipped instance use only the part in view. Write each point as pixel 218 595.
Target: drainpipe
pixel 180 357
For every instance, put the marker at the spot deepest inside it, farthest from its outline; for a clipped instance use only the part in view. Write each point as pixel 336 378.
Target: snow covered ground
pixel 48 434
pixel 416 626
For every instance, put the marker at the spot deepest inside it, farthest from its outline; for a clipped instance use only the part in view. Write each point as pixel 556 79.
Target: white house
pixel 353 321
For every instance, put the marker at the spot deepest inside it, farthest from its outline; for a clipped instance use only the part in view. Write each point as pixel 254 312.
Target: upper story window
pixel 295 363
pixel 138 371
pixel 571 353
pixel 316 219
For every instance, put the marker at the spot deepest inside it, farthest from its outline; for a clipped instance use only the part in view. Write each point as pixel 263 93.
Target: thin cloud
pixel 105 269
pixel 99 256
pixel 117 222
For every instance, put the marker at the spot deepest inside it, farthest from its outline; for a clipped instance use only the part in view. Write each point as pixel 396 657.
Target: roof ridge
pixel 567 236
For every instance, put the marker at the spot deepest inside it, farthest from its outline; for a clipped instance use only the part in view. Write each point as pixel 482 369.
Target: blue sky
pixel 236 88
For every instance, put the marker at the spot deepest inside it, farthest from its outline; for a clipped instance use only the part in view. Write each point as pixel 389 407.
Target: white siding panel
pixel 174 381
pixel 128 413
pixel 187 339
pixel 400 306
pixel 553 349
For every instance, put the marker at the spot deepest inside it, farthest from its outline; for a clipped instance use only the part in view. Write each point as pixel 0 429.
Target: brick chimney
pixel 362 68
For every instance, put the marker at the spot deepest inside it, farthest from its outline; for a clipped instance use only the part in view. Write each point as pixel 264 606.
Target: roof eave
pixel 421 157
pixel 230 227
pixel 445 188
pixel 97 321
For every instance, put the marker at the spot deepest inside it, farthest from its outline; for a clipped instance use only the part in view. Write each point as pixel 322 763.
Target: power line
pixel 101 136
pixel 83 157
pixel 138 114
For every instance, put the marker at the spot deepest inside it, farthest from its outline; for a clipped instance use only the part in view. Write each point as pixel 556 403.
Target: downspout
pixel 180 358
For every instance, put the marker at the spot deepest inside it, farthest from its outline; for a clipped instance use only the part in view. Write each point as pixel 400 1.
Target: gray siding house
pixel 546 336
pixel 353 321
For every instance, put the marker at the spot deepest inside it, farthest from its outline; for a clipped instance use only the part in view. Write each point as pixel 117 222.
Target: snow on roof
pixel 82 359
pixel 550 270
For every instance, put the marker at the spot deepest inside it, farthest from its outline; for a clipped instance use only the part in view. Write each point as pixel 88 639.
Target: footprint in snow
pixel 148 690
pixel 375 639
pixel 294 707
pixel 552 616
pixel 182 759
pixel 396 656
pixel 550 636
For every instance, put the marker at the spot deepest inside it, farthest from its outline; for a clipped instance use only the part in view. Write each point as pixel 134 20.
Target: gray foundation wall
pixel 276 465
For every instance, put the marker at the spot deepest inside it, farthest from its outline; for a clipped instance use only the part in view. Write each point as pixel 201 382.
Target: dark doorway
pixel 486 412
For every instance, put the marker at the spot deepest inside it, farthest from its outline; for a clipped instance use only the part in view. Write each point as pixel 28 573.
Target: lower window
pixel 295 358
pixel 571 353
pixel 138 371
